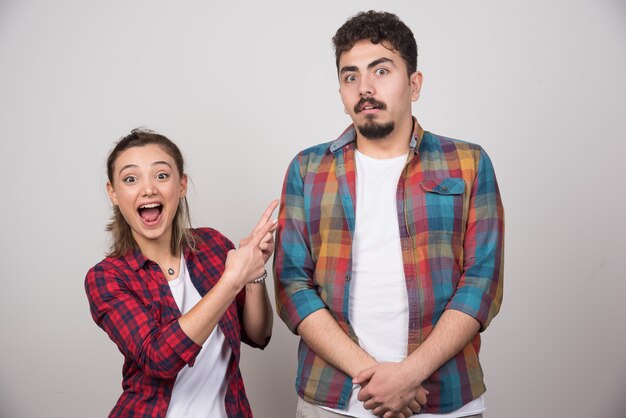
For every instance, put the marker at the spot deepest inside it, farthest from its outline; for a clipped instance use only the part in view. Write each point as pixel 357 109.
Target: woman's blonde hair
pixel 123 241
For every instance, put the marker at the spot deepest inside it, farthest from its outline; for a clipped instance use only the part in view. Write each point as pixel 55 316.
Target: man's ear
pixel 415 81
pixel 112 194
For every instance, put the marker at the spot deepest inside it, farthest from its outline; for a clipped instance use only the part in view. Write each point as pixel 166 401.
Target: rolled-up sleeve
pixel 296 296
pixel 479 291
pixel 160 350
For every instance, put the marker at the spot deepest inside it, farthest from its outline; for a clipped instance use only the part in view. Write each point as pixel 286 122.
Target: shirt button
pixel 347 277
pixel 444 188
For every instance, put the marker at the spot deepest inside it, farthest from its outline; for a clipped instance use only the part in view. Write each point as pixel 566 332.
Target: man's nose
pixel 366 88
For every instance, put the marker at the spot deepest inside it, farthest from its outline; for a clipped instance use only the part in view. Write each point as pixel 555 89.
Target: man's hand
pixel 388 390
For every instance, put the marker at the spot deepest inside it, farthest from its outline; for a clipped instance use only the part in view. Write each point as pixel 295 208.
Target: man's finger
pixel 364 376
pixel 421 397
pixel 380 411
pixel 371 405
pixel 414 405
pixel 363 395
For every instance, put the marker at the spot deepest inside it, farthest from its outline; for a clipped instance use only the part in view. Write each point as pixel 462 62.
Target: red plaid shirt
pixel 131 301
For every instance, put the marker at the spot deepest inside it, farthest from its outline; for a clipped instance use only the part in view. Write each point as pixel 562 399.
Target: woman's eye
pixel 129 179
pixel 381 71
pixel 162 176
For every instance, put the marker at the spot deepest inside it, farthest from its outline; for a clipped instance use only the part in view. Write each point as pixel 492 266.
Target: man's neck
pixel 394 145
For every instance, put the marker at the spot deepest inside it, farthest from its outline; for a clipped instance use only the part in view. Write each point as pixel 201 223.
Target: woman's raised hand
pixel 248 261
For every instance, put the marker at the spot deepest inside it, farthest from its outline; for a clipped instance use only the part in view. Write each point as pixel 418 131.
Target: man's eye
pixel 350 78
pixel 129 179
pixel 381 71
pixel 162 176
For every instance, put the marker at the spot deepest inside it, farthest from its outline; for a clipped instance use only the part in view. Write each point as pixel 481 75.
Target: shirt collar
pixel 349 135
pixel 135 259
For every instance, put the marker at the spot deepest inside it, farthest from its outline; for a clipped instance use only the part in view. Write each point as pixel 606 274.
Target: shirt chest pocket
pixel 443 205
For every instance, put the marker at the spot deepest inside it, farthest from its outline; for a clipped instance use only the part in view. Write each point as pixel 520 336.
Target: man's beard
pixel 372 130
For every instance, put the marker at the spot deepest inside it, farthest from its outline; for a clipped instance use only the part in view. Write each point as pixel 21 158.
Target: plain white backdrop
pixel 242 86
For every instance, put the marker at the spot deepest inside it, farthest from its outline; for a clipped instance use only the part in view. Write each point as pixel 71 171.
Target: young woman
pixel 176 301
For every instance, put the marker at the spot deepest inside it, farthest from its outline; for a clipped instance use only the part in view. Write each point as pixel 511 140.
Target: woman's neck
pixel 161 253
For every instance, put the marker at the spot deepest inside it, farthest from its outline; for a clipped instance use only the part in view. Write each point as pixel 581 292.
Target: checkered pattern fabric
pixel 131 301
pixel 452 236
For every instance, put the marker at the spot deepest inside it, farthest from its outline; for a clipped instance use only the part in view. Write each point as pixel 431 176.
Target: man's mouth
pixel 150 212
pixel 368 104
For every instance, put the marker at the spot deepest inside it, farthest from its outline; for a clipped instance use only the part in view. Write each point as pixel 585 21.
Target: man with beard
pixel 389 247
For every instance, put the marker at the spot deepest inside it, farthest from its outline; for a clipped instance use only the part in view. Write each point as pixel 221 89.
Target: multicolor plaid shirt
pixel 451 226
pixel 131 301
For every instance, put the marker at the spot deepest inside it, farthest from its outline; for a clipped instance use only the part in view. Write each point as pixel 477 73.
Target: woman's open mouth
pixel 150 212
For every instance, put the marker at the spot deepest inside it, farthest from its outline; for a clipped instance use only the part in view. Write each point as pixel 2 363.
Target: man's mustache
pixel 368 100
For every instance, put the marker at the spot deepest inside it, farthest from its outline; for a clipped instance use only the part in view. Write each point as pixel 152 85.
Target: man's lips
pixel 368 104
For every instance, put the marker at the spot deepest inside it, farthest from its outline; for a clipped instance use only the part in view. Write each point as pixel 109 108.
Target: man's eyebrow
pixel 351 68
pixel 379 61
pixel 348 69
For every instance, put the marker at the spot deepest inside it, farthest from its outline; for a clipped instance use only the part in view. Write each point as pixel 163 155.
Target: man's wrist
pixel 365 363
pixel 415 370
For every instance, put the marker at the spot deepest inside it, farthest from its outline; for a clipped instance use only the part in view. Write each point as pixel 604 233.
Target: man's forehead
pixel 365 52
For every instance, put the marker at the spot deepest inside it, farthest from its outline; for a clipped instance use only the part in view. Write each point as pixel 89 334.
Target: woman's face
pixel 147 188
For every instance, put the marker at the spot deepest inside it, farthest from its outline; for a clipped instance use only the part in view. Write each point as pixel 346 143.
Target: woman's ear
pixel 112 194
pixel 183 186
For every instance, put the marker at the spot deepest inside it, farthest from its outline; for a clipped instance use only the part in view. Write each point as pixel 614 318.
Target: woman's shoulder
pixel 108 270
pixel 108 264
pixel 210 237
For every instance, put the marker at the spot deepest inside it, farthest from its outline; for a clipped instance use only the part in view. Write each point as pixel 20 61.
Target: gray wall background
pixel 242 86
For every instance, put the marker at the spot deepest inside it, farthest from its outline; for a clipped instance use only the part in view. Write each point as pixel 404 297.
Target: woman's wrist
pixel 233 280
pixel 260 279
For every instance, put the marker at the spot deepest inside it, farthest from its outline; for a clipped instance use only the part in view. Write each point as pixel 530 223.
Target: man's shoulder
pixel 326 149
pixel 438 152
pixel 316 151
pixel 312 159
pixel 434 141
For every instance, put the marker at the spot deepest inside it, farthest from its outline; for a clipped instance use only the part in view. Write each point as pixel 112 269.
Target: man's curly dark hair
pixel 377 27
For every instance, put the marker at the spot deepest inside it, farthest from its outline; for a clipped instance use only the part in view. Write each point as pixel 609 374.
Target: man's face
pixel 375 88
